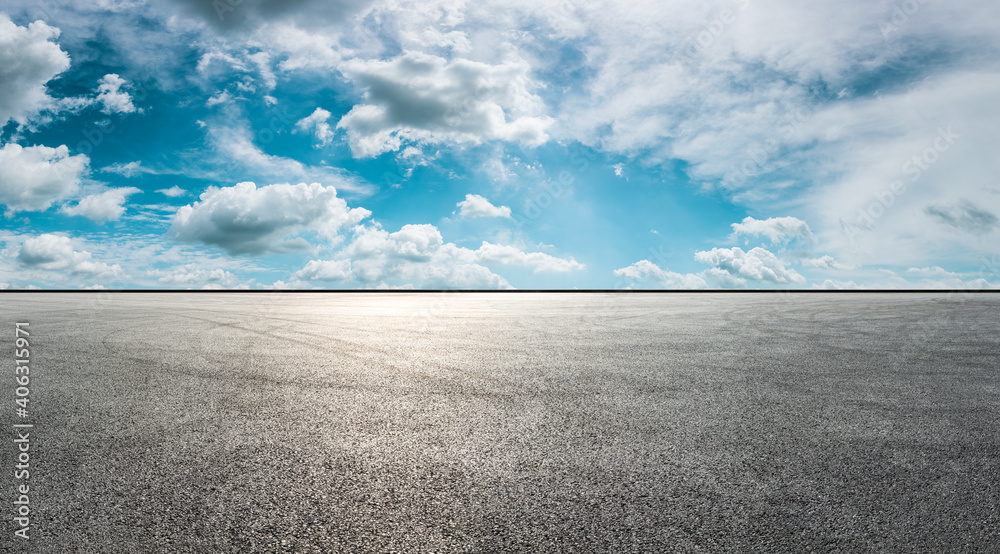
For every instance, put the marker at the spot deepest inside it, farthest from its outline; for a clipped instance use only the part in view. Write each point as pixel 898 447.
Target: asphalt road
pixel 508 422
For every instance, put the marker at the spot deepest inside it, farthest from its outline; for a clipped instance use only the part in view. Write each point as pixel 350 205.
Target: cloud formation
pixel 28 60
pixel 317 124
pixel 645 274
pixel 111 97
pixel 417 255
pixel 417 97
pixel 757 264
pixel 477 206
pixel 193 275
pixel 55 253
pixel 779 230
pixel 965 216
pixel 826 262
pixel 104 206
pixel 330 270
pixel 245 219
pixel 33 178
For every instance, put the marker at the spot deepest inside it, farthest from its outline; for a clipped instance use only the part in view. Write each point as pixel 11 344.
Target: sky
pixel 515 144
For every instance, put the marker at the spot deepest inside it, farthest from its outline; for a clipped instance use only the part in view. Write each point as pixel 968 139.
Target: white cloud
pixel 940 278
pixel 222 97
pixel 904 190
pixel 317 123
pixel 333 270
pixel 936 271
pixel 826 262
pixel 922 278
pixel 128 170
pixel 731 269
pixel 233 146
pixel 49 251
pixel 55 253
pixel 294 285
pixel 28 60
pixel 757 264
pixel 538 261
pixel 244 219
pixel 424 98
pixel 477 206
pixel 779 230
pixel 213 62
pixel 723 279
pixel 173 192
pixel 411 242
pixel 417 255
pixel 32 178
pixel 104 206
pixel 111 96
pixel 303 49
pixel 646 274
pixel 192 275
pixel 830 284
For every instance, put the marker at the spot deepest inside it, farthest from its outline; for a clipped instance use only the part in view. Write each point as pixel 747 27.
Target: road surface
pixel 508 422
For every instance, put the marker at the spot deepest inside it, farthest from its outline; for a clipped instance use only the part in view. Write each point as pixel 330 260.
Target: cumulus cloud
pixel 425 98
pixel 191 275
pixel 830 284
pixel 104 206
pixel 28 60
pixel 646 274
pixel 55 253
pixel 332 270
pixel 757 264
pixel 173 192
pixel 779 230
pixel 111 96
pixel 538 261
pixel 33 177
pixel 249 16
pixel 965 216
pixel 826 262
pixel 317 124
pixel 411 242
pixel 245 219
pixel 918 278
pixel 936 271
pixel 477 206
pixel 417 255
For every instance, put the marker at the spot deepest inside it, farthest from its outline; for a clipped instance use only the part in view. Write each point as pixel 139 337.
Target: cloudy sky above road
pixel 516 144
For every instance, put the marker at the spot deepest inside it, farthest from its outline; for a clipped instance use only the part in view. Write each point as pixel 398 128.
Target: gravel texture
pixel 509 422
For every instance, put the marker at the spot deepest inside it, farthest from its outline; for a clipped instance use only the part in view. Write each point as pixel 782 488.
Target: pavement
pixel 508 422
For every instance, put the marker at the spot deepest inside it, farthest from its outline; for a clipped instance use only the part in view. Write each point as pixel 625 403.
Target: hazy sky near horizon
pixel 515 144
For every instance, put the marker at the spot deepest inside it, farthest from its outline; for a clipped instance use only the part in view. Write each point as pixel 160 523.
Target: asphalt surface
pixel 508 422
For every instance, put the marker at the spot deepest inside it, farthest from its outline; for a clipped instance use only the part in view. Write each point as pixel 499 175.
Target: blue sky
pixel 520 144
